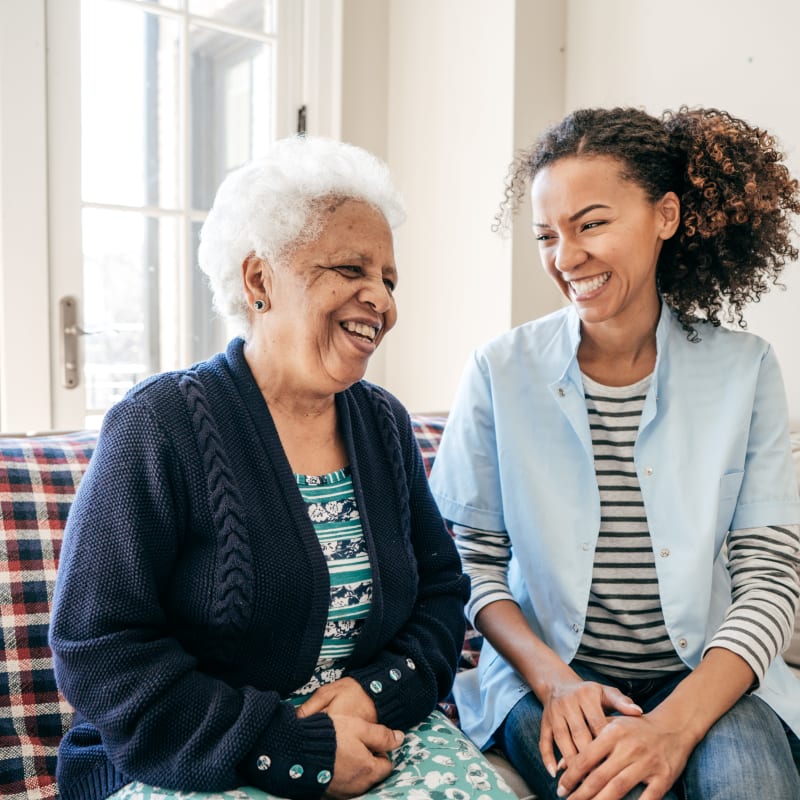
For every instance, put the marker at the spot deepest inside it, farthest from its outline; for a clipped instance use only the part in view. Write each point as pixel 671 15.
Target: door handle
pixel 70 331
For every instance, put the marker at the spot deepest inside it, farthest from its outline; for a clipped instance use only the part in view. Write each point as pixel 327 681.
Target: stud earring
pixel 259 305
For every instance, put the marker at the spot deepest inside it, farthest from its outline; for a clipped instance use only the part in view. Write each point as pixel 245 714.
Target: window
pixel 173 96
pixel 118 120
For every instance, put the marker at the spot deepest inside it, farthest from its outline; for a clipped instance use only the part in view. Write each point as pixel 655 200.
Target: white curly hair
pixel 272 205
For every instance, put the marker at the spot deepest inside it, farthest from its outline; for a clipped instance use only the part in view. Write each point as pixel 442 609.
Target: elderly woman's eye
pixel 348 269
pixel 389 284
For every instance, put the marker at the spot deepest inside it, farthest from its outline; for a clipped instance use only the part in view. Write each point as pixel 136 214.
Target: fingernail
pixel 398 737
pixel 561 791
pixel 561 764
pixel 551 770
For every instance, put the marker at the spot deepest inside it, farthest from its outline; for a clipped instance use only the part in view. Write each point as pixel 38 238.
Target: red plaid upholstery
pixel 38 478
pixel 428 430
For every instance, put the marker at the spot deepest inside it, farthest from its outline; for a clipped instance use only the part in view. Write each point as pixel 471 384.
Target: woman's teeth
pixel 367 331
pixel 589 284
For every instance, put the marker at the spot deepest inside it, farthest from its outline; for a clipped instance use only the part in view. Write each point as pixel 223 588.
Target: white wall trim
pixel 322 67
pixel 24 370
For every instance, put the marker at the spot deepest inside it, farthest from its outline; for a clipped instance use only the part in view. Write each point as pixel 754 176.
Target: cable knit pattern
pixel 391 441
pixel 234 586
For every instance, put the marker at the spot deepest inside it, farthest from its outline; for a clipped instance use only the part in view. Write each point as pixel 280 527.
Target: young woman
pixel 620 478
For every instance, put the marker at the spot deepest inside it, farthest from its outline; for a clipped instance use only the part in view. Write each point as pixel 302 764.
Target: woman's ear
pixel 669 209
pixel 256 280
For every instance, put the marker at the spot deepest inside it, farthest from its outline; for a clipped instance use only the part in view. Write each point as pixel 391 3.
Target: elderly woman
pixel 257 592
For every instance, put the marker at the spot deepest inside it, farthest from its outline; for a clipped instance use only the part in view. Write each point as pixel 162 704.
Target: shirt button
pixel 682 643
pixel 648 471
pixel 296 771
pixel 264 763
pixel 665 552
pixel 376 687
pixel 410 664
pixel 575 627
pixel 324 776
pixel 584 545
pixel 561 392
pixel 395 674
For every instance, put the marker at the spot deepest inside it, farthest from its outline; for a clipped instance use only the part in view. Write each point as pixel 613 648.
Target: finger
pixel 579 730
pixel 615 699
pixel 380 739
pixel 313 705
pixel 546 749
pixel 383 767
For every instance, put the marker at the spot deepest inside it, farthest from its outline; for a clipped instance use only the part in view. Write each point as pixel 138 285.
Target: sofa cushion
pixel 38 478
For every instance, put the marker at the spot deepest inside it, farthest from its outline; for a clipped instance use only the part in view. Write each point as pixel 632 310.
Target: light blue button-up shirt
pixel 712 455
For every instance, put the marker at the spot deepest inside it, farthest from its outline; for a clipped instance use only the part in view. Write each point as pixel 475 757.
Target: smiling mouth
pixel 362 330
pixel 587 285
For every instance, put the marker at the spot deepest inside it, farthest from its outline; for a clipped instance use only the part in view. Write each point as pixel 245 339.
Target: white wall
pixel 730 54
pixel 451 84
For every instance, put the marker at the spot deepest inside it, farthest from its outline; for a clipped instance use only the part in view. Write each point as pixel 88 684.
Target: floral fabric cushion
pixel 38 478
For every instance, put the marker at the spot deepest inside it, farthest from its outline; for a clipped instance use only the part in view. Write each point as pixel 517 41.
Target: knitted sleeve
pixel 417 667
pixel 118 660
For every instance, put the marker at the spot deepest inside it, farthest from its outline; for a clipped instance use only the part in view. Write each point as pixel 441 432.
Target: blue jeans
pixel 747 753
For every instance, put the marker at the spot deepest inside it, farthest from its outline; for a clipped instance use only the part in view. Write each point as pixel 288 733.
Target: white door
pixel 150 104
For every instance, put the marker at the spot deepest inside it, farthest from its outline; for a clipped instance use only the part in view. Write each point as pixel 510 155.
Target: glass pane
pixel 128 257
pixel 208 330
pixel 130 105
pixel 256 15
pixel 232 118
pixel 168 3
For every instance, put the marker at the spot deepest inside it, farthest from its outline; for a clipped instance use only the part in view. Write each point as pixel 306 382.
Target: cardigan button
pixel 296 771
pixel 376 687
pixel 395 674
pixel 410 664
pixel 263 763
pixel 324 776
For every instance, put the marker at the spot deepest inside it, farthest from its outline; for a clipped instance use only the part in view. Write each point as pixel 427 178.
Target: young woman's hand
pixel 362 756
pixel 628 752
pixel 345 697
pixel 575 712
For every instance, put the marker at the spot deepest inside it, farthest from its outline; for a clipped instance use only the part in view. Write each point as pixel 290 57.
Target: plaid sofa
pixel 38 478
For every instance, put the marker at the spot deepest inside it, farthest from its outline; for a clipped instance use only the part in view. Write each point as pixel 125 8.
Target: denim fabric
pixel 747 753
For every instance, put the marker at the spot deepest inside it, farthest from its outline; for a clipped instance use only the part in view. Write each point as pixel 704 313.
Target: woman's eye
pixel 348 269
pixel 389 284
pixel 544 237
pixel 596 224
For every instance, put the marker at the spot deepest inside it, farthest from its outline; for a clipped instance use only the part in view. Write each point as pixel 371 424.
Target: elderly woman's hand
pixel 344 696
pixel 362 758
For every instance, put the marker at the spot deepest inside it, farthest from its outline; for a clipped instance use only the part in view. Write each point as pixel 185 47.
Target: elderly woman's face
pixel 331 301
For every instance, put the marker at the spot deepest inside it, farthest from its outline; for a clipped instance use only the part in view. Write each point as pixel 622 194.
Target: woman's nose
pixel 569 255
pixel 375 293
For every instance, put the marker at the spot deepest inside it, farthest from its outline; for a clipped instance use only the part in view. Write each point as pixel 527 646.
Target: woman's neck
pixel 619 355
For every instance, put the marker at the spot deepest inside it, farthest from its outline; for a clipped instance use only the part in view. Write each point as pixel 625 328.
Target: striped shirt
pixel 332 509
pixel 624 633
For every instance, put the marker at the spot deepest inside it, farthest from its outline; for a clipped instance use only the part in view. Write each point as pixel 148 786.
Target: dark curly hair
pixel 736 195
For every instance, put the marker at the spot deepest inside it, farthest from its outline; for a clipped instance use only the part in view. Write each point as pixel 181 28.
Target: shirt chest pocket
pixel 729 486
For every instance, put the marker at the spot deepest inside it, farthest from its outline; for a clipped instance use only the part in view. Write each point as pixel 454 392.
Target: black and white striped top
pixel 625 634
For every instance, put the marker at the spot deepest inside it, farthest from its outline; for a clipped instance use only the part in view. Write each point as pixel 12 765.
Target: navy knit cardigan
pixel 192 593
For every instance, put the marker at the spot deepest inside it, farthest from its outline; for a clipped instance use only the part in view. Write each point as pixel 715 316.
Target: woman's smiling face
pixel 331 301
pixel 600 236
